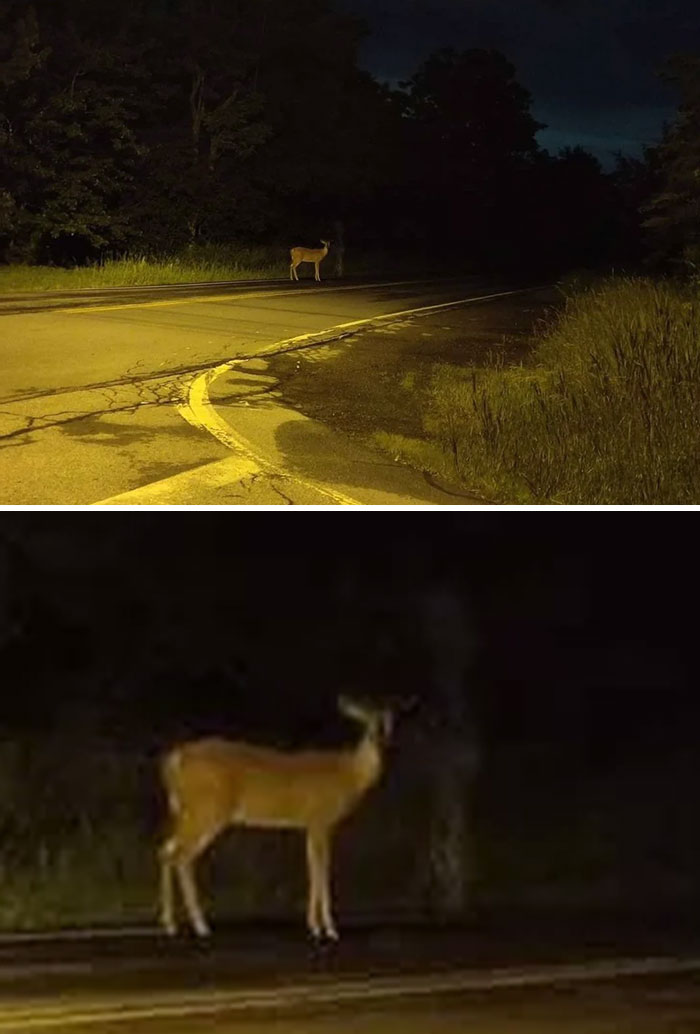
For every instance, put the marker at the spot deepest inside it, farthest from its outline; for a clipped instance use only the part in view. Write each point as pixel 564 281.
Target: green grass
pixel 101 876
pixel 201 265
pixel 81 828
pixel 606 411
pixel 193 266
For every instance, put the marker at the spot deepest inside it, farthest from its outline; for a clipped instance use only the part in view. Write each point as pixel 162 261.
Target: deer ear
pixel 351 708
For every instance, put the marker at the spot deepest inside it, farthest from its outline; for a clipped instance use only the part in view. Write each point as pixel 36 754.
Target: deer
pixel 315 255
pixel 213 784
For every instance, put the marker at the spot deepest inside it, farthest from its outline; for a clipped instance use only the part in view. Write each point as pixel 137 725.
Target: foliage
pixel 468 134
pixel 149 128
pixel 607 410
pixel 81 827
pixel 673 214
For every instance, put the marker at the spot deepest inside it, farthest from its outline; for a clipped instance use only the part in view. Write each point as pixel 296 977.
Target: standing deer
pixel 315 255
pixel 215 783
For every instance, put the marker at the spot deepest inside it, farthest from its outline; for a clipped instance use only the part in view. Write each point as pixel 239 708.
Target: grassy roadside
pixel 606 410
pixel 590 395
pixel 375 386
pixel 202 265
pixel 197 265
pixel 81 832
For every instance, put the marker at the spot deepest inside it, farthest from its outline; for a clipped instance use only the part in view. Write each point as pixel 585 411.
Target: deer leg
pixel 319 917
pixel 167 899
pixel 172 858
pixel 185 872
pixel 181 852
pixel 313 920
pixel 325 890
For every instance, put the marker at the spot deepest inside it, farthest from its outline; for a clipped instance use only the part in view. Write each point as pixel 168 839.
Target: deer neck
pixel 367 762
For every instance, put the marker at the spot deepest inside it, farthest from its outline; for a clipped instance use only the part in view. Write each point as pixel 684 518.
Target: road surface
pixel 584 980
pixel 106 396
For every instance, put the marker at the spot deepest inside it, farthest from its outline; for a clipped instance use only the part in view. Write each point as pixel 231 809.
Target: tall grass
pixel 195 265
pixel 606 411
pixel 81 822
pixel 77 825
pixel 206 264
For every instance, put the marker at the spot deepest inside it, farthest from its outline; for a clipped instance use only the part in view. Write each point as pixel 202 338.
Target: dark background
pixel 590 64
pixel 148 623
pixel 570 739
pixel 444 135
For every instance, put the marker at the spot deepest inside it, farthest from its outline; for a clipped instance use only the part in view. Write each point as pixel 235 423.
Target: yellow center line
pixel 200 411
pixel 338 329
pixel 87 309
pixel 180 1004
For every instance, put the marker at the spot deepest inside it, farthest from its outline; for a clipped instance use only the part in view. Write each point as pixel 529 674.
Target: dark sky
pixel 589 64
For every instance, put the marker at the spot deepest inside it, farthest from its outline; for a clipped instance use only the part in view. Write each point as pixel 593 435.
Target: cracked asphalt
pixel 93 388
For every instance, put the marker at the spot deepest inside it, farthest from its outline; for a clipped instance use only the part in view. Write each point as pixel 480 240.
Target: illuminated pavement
pixel 435 982
pixel 96 403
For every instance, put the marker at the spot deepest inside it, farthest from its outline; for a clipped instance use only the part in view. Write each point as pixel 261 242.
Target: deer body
pixel 216 783
pixel 315 255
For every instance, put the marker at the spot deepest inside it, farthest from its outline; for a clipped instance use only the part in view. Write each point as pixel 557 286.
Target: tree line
pixel 157 125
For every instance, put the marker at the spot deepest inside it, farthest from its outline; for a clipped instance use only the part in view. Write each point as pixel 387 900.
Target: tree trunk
pixel 339 246
pixel 196 110
pixel 455 757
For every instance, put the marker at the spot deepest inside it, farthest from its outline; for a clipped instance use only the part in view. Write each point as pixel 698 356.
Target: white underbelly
pixel 242 818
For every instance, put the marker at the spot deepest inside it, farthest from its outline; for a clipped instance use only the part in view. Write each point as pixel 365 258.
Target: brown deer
pixel 315 255
pixel 212 784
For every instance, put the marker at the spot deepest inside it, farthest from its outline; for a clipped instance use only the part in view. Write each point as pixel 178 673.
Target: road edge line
pixel 199 410
pixel 209 1001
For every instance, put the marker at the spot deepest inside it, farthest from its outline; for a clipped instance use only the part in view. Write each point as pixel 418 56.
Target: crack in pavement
pixel 323 337
pixel 316 340
pixel 116 382
pixel 265 478
pixel 33 424
pixel 273 486
pixel 108 400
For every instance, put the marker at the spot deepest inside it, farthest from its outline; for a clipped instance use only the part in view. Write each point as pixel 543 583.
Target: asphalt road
pixel 579 981
pixel 105 395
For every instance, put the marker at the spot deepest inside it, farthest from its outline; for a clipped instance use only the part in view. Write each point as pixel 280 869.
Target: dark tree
pixel 72 155
pixel 634 181
pixel 206 123
pixel 164 124
pixel 673 215
pixel 329 121
pixel 20 56
pixel 470 133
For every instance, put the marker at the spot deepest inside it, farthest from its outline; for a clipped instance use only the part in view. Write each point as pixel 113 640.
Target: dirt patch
pixel 376 379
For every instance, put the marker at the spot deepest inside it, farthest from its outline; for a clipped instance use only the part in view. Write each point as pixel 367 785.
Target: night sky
pixel 589 64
